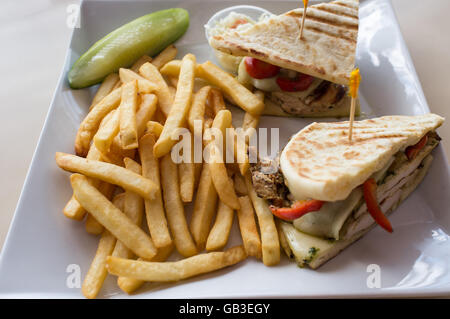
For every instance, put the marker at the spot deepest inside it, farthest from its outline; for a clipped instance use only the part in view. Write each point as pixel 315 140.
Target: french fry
pixel 147 109
pixel 269 235
pixel 247 225
pixel 133 208
pixel 127 116
pixel 106 133
pixel 91 122
pixel 239 185
pixel 141 61
pixel 155 128
pixel 180 107
pixel 106 172
pixel 130 285
pixel 143 85
pixel 186 173
pixel 251 121
pixel 178 270
pixel 197 111
pixel 204 208
pixel 218 104
pixel 227 83
pixel 222 182
pixel 154 209
pixel 218 236
pixel 171 68
pixel 151 73
pixel 112 218
pixel 174 208
pixel 173 82
pixel 105 88
pixel 166 55
pixel 97 271
pixel 92 225
pixel 73 209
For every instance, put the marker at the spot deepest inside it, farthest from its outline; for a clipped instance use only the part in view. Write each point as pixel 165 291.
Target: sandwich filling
pixel 342 220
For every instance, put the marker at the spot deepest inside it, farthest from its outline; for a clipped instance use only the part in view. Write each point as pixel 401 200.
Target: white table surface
pixel 34 37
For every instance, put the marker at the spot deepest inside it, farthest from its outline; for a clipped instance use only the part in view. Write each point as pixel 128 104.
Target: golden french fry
pixel 227 83
pixel 119 201
pixel 143 85
pixel 178 270
pixel 173 82
pixel 147 109
pixel 106 133
pixel 97 272
pixel 218 236
pixel 239 185
pixel 151 73
pixel 166 55
pixel 154 209
pixel 180 107
pixel 222 182
pixel 141 61
pixel 197 111
pixel 186 173
pixel 129 285
pixel 112 218
pixel 127 116
pixel 91 122
pixel 133 208
pixel 109 173
pixel 247 225
pixel 92 225
pixel 218 104
pixel 160 117
pixel 269 235
pixel 204 208
pixel 174 208
pixel 155 128
pixel 171 68
pixel 105 88
pixel 73 209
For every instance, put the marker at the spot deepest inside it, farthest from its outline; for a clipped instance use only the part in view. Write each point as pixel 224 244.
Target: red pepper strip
pixel 300 83
pixel 370 195
pixel 298 209
pixel 412 151
pixel 259 69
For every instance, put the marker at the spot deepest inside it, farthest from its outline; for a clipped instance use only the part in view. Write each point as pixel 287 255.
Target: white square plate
pixel 414 260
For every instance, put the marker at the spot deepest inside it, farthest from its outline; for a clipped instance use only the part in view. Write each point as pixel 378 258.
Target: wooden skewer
pixel 355 79
pixel 305 4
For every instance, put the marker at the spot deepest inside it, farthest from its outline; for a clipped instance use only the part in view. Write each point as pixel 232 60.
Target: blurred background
pixel 34 37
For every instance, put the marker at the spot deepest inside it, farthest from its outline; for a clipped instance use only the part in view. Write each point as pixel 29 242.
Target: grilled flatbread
pixel 326 50
pixel 313 162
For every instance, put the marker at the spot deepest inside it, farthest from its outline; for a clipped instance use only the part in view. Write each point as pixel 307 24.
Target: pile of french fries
pixel 124 175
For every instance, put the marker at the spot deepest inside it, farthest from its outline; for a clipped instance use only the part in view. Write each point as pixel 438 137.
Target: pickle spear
pixel 148 34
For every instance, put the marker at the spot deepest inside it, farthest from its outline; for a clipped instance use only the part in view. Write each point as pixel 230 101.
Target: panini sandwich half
pixel 304 77
pixel 328 192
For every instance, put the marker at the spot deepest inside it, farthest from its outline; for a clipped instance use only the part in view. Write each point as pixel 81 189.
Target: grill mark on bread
pixel 343 4
pixel 330 34
pixel 342 13
pixel 337 24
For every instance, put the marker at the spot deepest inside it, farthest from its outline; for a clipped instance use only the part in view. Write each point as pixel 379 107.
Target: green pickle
pixel 149 34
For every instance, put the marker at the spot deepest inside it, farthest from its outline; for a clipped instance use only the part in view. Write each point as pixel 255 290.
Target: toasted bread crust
pixel 326 50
